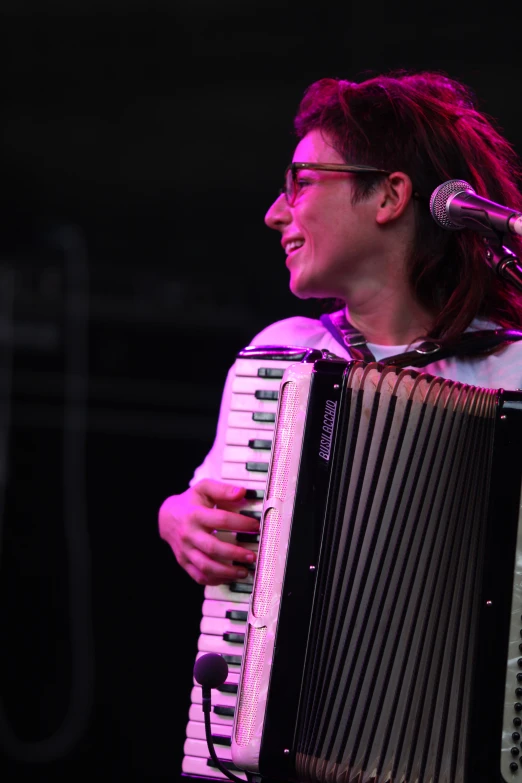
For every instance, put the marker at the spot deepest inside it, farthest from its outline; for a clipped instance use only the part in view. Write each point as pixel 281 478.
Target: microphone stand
pixel 504 262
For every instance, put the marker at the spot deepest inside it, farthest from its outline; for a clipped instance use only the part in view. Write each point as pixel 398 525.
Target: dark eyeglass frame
pixel 290 190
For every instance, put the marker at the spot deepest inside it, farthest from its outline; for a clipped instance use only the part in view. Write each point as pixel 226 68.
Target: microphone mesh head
pixel 439 199
pixel 211 670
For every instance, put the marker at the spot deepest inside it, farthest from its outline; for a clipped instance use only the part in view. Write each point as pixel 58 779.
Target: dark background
pixel 142 143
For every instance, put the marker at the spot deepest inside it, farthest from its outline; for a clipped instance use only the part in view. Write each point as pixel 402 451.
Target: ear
pixel 394 196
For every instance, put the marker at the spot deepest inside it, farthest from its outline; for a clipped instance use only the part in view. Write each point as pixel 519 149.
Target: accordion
pixel 384 632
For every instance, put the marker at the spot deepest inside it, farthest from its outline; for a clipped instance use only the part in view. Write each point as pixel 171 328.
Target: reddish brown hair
pixel 427 125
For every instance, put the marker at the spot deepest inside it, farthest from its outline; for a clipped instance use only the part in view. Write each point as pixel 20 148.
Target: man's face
pixel 328 241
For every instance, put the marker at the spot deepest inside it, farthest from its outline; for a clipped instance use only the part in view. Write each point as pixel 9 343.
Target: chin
pixel 303 290
pixel 300 294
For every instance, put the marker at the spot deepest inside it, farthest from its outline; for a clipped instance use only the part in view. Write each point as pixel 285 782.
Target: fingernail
pixel 233 491
pixel 250 557
pixel 241 573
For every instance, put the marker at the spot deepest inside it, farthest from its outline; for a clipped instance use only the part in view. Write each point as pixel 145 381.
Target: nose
pixel 278 216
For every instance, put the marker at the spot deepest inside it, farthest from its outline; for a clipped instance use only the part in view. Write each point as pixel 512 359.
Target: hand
pixel 187 523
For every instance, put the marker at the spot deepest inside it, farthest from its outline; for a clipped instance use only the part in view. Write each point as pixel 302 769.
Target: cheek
pixel 332 238
pixel 316 228
pixel 323 226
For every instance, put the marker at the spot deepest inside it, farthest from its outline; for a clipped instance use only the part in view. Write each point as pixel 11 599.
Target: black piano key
pixel 249 566
pixel 219 739
pixel 240 587
pixel 233 660
pixel 254 494
pixel 233 636
pixel 247 538
pixel 236 614
pixel 226 764
pixel 252 514
pixel 266 417
pixel 219 709
pixel 266 394
pixel 228 687
pixel 258 467
pixel 257 443
pixel 269 372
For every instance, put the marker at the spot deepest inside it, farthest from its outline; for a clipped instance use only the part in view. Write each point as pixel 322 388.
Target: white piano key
pixel 252 366
pixel 243 420
pixel 247 402
pixel 196 714
pixel 207 643
pixel 245 454
pixel 216 697
pixel 217 626
pixel 220 608
pixel 226 593
pixel 198 747
pixel 193 765
pixel 241 436
pixel 249 385
pixel 196 730
pixel 239 472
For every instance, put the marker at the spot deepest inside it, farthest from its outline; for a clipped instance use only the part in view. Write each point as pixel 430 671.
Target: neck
pixel 392 321
pixel 379 299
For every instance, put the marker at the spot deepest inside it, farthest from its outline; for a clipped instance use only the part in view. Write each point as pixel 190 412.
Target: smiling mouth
pixel 293 246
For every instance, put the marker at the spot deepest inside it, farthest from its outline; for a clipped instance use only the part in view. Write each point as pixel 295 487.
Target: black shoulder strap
pixel 347 335
pixel 468 344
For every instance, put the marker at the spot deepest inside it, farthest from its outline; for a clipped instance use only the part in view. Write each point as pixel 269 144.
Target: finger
pixel 206 579
pixel 195 573
pixel 214 572
pixel 223 551
pixel 213 491
pixel 220 519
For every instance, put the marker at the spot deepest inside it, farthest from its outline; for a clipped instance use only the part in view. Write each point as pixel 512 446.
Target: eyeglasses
pixel 291 186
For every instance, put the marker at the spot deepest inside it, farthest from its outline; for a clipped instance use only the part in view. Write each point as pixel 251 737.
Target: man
pixel 356 227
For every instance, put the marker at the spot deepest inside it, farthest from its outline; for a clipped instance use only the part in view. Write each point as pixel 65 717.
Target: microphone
pixel 455 205
pixel 211 671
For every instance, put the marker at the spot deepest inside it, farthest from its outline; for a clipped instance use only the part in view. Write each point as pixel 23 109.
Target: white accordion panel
pixel 263 614
pixel 224 611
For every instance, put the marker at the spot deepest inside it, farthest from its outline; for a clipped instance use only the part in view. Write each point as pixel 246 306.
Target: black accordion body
pixel 384 632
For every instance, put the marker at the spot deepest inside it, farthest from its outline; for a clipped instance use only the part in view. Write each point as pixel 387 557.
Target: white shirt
pixel 498 371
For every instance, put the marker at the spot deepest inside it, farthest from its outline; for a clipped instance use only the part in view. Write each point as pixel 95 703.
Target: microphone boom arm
pixel 504 262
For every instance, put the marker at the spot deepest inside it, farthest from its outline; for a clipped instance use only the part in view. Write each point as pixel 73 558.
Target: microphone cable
pixel 211 671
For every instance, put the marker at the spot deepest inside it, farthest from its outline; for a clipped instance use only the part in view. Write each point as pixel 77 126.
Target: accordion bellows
pixel 385 621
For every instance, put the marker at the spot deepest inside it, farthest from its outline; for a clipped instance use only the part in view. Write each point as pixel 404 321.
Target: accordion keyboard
pixel 251 422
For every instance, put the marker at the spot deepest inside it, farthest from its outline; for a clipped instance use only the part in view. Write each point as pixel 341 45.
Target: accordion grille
pixel 388 676
pixel 253 664
pixel 288 408
pixel 263 591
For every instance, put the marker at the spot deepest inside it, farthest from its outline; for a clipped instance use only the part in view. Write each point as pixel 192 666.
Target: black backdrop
pixel 142 144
